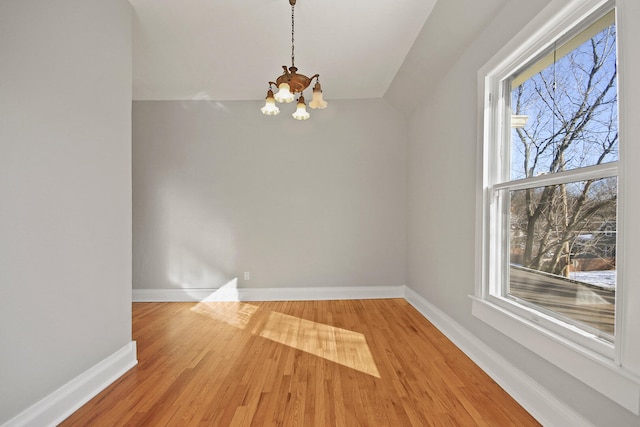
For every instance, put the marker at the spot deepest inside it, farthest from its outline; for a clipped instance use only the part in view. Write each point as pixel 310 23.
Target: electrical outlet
pixel 247 275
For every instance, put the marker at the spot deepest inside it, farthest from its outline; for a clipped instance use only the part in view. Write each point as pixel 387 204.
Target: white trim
pixel 171 295
pixel 320 293
pixel 537 400
pixel 580 174
pixel 267 294
pixel 596 371
pixel 539 33
pixel 57 406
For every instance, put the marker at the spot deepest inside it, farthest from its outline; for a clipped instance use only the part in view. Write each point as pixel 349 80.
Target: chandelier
pixel 291 83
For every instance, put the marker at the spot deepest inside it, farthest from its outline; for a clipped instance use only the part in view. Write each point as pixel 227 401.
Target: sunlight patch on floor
pixel 236 314
pixel 347 348
pixel 338 345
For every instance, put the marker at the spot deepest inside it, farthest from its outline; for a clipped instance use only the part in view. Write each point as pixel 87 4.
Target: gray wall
pixel 220 189
pixel 442 203
pixel 65 188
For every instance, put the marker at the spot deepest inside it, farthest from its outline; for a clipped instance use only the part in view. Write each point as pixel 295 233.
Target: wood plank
pixel 297 364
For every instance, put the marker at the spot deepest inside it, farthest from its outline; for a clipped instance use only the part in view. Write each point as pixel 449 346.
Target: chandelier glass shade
pixel 291 83
pixel 317 102
pixel 270 108
pixel 301 111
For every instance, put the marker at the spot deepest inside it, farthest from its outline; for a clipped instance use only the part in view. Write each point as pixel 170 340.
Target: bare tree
pixel 572 109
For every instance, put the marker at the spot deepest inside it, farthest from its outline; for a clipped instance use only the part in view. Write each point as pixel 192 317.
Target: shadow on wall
pixel 200 250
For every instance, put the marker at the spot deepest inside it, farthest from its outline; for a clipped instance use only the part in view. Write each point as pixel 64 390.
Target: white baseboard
pixel 267 294
pixel 63 402
pixel 319 293
pixel 537 400
pixel 171 295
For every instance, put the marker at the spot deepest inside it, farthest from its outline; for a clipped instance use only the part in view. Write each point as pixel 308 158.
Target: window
pixel 550 217
pixel 559 193
pixel 553 196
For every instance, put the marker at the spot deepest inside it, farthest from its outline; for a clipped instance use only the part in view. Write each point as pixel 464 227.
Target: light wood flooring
pixel 307 363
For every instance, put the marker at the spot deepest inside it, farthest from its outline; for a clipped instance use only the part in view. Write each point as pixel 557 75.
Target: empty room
pixel 319 213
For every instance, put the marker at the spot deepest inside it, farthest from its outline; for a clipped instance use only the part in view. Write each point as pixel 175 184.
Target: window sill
pixel 593 369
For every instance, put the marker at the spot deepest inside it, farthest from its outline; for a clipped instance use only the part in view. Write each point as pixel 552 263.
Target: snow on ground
pixel 605 279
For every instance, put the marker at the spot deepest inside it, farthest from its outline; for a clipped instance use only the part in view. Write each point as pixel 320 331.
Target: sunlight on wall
pixel 347 348
pixel 227 292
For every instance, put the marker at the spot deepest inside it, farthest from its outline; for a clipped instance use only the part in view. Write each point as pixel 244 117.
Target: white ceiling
pixel 228 49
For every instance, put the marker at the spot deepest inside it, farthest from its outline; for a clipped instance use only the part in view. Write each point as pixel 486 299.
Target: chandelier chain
pixel 293 56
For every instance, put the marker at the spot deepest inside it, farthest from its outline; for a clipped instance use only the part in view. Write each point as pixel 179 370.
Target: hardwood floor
pixel 308 363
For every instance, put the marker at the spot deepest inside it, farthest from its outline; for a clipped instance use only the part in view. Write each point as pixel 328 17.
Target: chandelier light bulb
pixel 301 112
pixel 284 94
pixel 270 108
pixel 317 102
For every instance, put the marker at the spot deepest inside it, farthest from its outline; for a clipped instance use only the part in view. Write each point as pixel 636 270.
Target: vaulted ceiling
pixel 229 49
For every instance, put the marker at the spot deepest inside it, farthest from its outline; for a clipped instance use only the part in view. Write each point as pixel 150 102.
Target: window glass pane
pixel 562 249
pixel 564 106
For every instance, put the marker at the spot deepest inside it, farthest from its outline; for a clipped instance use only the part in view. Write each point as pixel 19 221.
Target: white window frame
pixel 596 362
